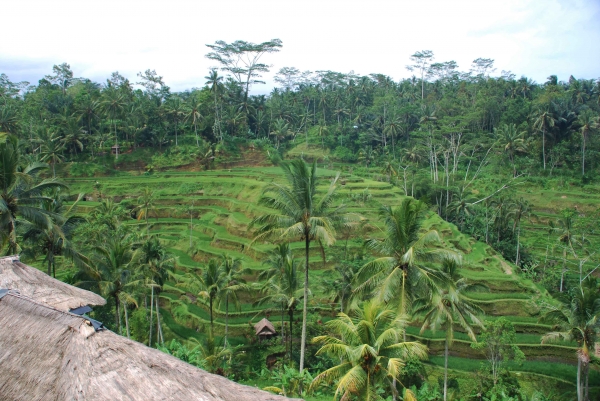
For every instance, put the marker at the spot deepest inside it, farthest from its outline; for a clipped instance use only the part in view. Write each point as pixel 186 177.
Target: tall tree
pixel 113 104
pixel 421 61
pixel 404 266
pixel 215 83
pixel 283 285
pixel 242 60
pixel 234 283
pixel 449 306
pixel 589 124
pixel 21 197
pixel 368 345
pixel 300 214
pixel 544 120
pixel 576 318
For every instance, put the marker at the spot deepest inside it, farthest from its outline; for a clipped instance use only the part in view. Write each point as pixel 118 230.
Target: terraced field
pixel 200 215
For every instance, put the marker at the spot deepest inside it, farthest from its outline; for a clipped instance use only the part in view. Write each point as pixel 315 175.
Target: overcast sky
pixel 535 38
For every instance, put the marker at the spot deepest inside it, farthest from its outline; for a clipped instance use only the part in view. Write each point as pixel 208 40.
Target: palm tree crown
pixel 369 348
pixel 301 215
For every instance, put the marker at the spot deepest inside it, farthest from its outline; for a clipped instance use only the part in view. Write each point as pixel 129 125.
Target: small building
pixel 115 149
pixel 265 329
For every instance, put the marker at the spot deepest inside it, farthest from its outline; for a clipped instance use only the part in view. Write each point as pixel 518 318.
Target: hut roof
pixel 37 285
pixel 264 327
pixel 51 354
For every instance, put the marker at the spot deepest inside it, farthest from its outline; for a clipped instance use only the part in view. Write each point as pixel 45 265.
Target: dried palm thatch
pixel 35 284
pixel 50 354
pixel 264 328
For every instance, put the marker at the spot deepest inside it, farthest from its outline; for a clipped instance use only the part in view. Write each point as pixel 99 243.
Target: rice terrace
pixel 346 237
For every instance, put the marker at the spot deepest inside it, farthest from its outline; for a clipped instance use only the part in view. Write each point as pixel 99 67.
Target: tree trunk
pixel 226 318
pixel 579 395
pixel 118 314
pixel 544 147
pixel 158 328
pixel 446 368
pixel 518 244
pixel 151 313
pixel 291 313
pixel 282 326
pixel 305 307
pixel 126 319
pixel 210 305
pixel 562 273
pixel 583 157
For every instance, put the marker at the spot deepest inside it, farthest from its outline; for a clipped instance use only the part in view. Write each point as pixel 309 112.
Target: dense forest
pixel 483 151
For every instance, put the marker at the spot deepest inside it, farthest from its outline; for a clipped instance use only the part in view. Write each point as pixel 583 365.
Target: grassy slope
pixel 224 201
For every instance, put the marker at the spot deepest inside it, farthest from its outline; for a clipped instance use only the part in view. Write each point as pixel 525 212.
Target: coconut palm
pixel 114 271
pixel 146 203
pixel 113 104
pixel 283 285
pixel 448 306
pixel 511 140
pixel 176 109
pixel 157 266
pixel 192 113
pixel 234 283
pixel 215 82
pixel 543 121
pixel 280 131
pixel 56 240
pixel 576 319
pixel 521 209
pixel 404 267
pixel 368 343
pixel 209 284
pixel 20 196
pixel 301 214
pixel 52 146
pixel 589 123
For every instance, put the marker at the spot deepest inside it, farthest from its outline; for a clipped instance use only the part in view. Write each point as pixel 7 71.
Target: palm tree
pixel 209 284
pixel 300 214
pixel 233 284
pixel 20 196
pixel 576 319
pixel 448 306
pixel 512 141
pixel 281 130
pixel 146 203
pixel 521 209
pixel 370 349
pixel 176 109
pixel 283 285
pixel 566 238
pixel 215 82
pixel 51 148
pixel 589 123
pixel 114 271
pixel 156 268
pixel 192 112
pixel 57 239
pixel 404 267
pixel 113 104
pixel 543 121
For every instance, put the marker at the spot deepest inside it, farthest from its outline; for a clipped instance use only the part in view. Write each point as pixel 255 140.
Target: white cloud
pixel 527 37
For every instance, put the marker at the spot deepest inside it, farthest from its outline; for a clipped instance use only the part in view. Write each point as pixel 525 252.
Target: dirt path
pixel 505 266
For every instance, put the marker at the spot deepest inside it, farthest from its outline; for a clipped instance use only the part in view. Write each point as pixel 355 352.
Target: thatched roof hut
pixel 265 329
pixel 37 285
pixel 51 354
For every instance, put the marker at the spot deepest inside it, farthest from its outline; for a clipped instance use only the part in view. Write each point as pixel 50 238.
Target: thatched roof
pixel 264 328
pixel 50 354
pixel 37 285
